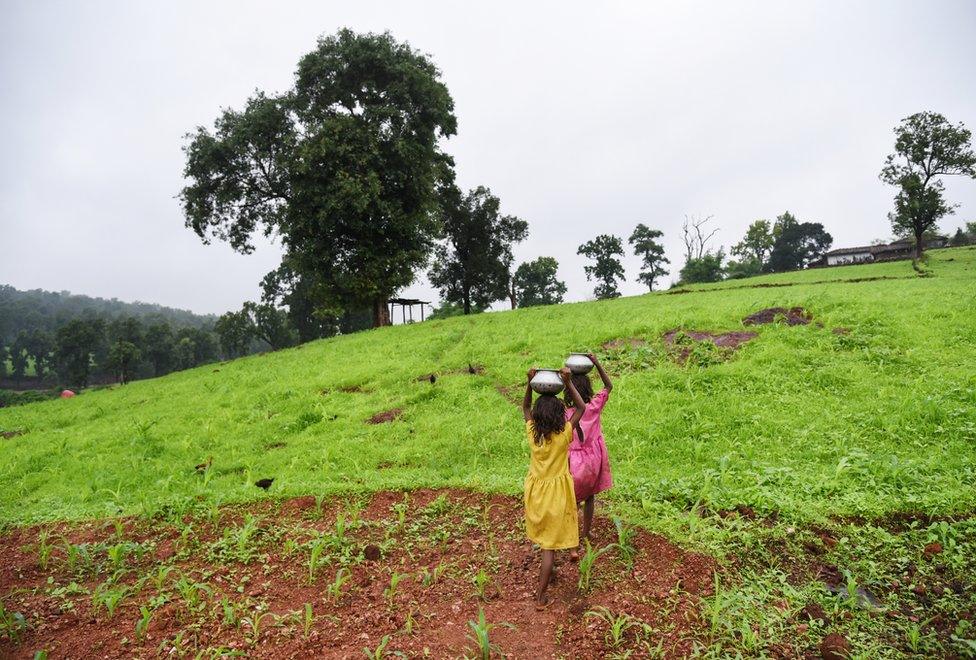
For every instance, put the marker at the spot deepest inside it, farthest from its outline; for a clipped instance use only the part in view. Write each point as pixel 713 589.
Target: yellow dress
pixel 550 503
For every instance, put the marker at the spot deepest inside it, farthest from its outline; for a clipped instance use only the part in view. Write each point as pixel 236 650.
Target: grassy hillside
pixel 877 418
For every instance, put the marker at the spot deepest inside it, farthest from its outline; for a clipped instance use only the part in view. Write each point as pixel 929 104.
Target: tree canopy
pixel 756 244
pixel 797 244
pixel 471 267
pixel 604 250
pixel 343 168
pixel 535 283
pixel 706 268
pixel 646 246
pixel 927 147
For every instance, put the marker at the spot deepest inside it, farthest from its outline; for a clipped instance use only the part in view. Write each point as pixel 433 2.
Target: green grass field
pixel 801 420
pixel 808 427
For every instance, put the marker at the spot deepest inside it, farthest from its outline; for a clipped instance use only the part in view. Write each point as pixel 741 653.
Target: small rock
pixel 931 550
pixel 802 628
pixel 835 647
pixel 372 552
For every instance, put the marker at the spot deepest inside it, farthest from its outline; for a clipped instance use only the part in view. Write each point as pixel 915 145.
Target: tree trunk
pixel 511 292
pixel 919 244
pixel 381 313
pixel 467 304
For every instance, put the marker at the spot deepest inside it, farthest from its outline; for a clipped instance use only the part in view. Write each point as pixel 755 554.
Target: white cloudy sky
pixel 583 117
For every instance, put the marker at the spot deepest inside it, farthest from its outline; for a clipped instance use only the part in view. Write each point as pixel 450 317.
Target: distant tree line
pixel 60 338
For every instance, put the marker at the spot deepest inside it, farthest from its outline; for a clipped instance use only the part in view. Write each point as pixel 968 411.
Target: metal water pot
pixel 579 363
pixel 546 381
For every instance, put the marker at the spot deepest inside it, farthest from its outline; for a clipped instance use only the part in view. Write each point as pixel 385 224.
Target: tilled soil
pixel 238 580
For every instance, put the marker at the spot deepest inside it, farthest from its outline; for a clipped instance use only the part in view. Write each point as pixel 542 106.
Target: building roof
pixel 868 249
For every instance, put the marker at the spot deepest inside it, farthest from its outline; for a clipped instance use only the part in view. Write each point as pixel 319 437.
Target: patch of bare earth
pixel 789 316
pixel 434 542
pixel 624 342
pixel 385 416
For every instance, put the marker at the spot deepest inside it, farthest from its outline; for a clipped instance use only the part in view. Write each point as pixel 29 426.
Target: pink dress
pixel 589 462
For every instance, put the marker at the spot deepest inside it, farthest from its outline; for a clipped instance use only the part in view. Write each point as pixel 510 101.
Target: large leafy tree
pixel 756 244
pixel 343 168
pixel 160 348
pixel 40 345
pixel 270 324
pixel 927 148
pixel 706 268
pixel 646 246
pixel 471 268
pixel 123 359
pixel 535 283
pixel 76 341
pixel 605 251
pixel 235 331
pixel 19 355
pixel 798 244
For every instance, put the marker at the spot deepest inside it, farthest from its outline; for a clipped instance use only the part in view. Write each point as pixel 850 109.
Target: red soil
pixel 723 340
pixel 791 316
pixel 462 531
pixel 385 416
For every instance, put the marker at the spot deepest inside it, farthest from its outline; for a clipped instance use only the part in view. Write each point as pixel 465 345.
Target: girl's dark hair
pixel 548 417
pixel 582 384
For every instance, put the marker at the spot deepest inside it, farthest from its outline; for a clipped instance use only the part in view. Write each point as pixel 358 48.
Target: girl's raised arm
pixel 527 399
pixel 607 384
pixel 578 406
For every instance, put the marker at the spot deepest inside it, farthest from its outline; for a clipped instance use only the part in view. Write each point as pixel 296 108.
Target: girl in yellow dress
pixel 550 503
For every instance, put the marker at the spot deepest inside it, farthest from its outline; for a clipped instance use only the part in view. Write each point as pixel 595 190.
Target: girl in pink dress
pixel 589 462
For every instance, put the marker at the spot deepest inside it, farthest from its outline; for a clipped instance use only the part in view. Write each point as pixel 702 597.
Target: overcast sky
pixel 584 118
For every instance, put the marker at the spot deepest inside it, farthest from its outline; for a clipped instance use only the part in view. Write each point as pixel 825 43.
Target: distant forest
pixel 59 338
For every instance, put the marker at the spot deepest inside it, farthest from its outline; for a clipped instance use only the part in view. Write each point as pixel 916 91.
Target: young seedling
pixel 380 651
pixel 159 577
pixel 390 592
pixel 481 581
pixel 78 557
pixel 117 554
pixel 409 624
pixel 142 625
pixel 430 576
pixel 12 624
pixel 586 563
pixel 617 626
pixel 479 636
pixel 108 598
pixel 230 612
pixel 314 555
pixel 626 549
pixel 192 593
pixel 308 620
pixel 254 623
pixel 44 550
pixel 335 588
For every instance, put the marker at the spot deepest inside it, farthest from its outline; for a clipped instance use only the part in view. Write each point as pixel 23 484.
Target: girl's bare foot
pixel 542 603
pixel 574 554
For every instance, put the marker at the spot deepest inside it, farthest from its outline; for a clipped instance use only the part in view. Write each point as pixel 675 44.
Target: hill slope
pixel 877 417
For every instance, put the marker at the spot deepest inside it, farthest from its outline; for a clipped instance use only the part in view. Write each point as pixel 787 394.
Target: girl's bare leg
pixel 548 556
pixel 587 517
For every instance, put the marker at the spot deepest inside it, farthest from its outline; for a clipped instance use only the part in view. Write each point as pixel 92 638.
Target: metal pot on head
pixel 579 363
pixel 546 381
